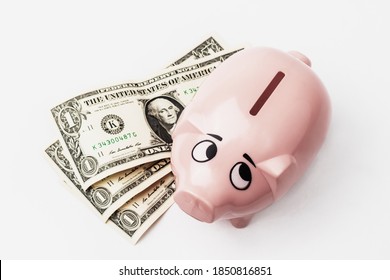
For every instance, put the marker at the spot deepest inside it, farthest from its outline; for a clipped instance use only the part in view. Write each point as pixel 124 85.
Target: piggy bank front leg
pixel 241 222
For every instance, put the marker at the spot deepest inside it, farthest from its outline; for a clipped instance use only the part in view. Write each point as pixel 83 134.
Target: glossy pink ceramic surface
pixel 248 135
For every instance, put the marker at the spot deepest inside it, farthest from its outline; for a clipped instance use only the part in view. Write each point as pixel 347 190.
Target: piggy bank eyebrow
pixel 215 136
pixel 266 93
pixel 248 158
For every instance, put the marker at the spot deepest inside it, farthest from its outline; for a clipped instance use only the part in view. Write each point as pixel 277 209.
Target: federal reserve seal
pixel 112 124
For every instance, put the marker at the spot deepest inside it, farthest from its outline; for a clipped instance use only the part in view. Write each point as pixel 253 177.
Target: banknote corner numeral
pixel 89 166
pixel 70 120
pixel 102 198
pixel 130 220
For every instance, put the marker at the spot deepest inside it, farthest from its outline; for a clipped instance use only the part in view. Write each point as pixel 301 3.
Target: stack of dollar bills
pixel 114 143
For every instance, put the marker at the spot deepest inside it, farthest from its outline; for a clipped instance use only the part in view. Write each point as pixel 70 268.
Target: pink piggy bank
pixel 248 135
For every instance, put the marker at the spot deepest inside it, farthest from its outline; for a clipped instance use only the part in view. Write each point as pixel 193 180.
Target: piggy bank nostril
pixel 187 199
pixel 184 199
pixel 203 207
pixel 194 207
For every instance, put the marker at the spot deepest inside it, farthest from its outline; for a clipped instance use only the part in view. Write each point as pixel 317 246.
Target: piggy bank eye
pixel 241 176
pixel 204 151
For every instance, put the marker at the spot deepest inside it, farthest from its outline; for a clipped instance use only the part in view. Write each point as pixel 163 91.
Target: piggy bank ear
pixel 278 171
pixel 188 125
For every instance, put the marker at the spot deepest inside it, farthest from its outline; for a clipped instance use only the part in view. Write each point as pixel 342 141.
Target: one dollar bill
pixel 208 47
pixel 133 199
pixel 139 213
pixel 115 128
pixel 107 195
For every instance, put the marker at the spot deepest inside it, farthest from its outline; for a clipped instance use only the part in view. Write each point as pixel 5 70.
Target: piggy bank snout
pixel 194 206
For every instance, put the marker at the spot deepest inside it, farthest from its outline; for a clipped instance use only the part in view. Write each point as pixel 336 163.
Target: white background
pixel 51 51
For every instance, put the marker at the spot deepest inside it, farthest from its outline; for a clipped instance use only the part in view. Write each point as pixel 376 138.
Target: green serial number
pixel 114 140
pixel 191 90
